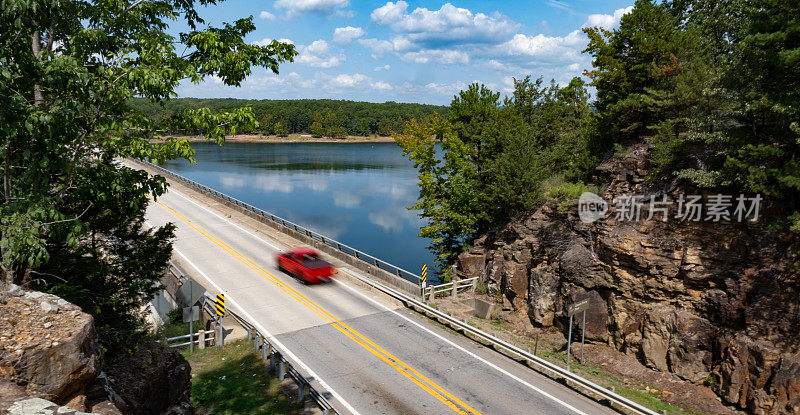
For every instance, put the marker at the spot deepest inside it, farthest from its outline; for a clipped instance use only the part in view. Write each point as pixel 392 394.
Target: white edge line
pixel 503 371
pixel 269 335
pixel 490 364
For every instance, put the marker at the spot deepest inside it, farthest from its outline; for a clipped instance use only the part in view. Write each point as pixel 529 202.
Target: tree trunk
pixel 36 47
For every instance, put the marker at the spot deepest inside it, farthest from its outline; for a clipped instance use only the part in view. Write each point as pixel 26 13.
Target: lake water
pixel 356 193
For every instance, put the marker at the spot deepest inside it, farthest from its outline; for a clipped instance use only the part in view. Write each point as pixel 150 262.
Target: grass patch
pixel 653 402
pixel 233 380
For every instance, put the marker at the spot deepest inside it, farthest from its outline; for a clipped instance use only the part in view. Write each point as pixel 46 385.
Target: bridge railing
pixel 341 247
pixel 451 288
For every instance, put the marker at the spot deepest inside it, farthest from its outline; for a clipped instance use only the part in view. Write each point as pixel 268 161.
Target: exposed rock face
pixel 49 350
pixel 153 381
pixel 47 345
pixel 707 301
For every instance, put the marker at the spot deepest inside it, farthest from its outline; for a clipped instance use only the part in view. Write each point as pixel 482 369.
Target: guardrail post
pixel 455 289
pixel 256 340
pixel 271 358
pixel 201 338
pixel 249 334
pixel 281 369
pixel 221 340
pixel 264 346
pixel 301 391
pixel 433 293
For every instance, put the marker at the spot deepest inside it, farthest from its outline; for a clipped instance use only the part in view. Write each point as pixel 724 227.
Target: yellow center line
pixel 422 381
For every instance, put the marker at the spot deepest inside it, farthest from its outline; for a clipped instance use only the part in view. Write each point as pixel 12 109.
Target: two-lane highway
pixel 377 359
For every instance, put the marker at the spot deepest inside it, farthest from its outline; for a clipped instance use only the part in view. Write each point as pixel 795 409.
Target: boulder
pixel 49 346
pixel 151 381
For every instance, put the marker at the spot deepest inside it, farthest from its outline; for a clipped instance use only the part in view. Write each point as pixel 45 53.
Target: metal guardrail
pixel 186 336
pixel 177 273
pixel 277 362
pixel 452 287
pixel 379 263
pixel 500 344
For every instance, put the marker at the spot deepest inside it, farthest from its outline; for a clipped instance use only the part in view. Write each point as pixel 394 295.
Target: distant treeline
pixel 319 117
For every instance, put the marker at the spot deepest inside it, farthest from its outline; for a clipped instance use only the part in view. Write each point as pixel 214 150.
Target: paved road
pixel 377 358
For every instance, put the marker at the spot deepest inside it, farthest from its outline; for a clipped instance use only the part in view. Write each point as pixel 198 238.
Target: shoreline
pixel 292 138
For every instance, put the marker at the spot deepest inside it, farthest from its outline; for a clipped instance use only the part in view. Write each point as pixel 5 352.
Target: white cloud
pixel 607 21
pixel 348 81
pixel 266 15
pixel 316 55
pixel 441 56
pixel 346 34
pixel 380 47
pixel 559 5
pixel 448 25
pixel 388 13
pixel 382 68
pixel 381 86
pixel 574 67
pixel 325 7
pixel 451 88
pixel 547 47
pixel 266 41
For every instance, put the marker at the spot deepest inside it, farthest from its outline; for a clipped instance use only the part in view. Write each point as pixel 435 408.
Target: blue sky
pixel 411 51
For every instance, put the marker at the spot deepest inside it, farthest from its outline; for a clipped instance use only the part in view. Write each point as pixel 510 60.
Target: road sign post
pixel 569 340
pixel 219 304
pixel 190 314
pixel 583 333
pixel 423 281
pixel 573 309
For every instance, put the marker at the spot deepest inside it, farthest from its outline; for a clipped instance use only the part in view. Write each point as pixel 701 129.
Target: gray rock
pixel 49 307
pixel 15 290
pixel 39 406
pixel 33 295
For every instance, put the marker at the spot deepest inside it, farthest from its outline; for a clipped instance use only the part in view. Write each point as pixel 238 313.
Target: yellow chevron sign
pixel 220 304
pixel 424 273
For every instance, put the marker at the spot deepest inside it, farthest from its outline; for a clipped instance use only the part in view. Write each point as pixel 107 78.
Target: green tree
pixel 279 129
pixel 488 163
pixel 71 215
pixel 634 66
pixel 446 199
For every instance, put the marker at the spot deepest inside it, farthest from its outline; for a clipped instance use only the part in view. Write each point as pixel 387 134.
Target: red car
pixel 305 264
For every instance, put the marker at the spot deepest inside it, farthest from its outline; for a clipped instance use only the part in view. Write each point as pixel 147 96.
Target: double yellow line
pixel 426 384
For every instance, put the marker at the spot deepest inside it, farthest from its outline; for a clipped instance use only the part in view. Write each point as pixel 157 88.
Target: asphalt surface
pixel 375 357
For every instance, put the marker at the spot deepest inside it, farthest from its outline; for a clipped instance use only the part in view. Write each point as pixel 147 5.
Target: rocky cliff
pixel 712 302
pixel 49 352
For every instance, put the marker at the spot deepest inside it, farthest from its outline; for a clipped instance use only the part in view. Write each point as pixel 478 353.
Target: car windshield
pixel 313 261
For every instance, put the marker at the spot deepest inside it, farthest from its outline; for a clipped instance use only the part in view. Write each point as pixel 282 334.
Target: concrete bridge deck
pixel 376 356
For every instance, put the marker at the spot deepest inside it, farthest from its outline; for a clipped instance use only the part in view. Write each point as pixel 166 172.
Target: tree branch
pixel 132 6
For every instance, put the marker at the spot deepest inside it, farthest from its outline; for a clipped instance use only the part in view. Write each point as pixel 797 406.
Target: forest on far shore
pixel 318 117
